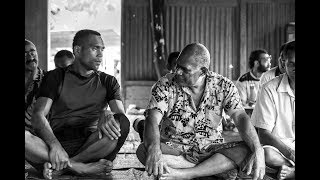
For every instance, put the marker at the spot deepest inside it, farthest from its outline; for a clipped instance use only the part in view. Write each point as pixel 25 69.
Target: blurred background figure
pixel 63 58
pixel 248 84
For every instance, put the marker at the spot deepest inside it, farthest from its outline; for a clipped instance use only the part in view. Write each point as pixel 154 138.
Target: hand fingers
pixel 255 174
pixel 114 129
pixel 99 133
pixel 116 125
pixel 106 133
pixel 110 131
pixel 249 168
pixel 155 169
pixel 166 168
pixel 160 171
pixel 69 164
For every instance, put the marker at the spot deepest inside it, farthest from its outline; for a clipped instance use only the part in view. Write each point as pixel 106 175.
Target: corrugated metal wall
pixel 230 29
pixel 212 23
pixel 266 23
pixel 136 52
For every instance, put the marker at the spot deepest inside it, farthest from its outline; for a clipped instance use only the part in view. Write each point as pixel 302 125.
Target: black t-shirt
pixel 79 100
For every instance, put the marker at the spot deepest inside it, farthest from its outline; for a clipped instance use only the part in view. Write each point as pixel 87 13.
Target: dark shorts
pixel 238 152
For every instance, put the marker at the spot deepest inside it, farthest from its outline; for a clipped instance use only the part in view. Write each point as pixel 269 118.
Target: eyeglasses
pixel 31 52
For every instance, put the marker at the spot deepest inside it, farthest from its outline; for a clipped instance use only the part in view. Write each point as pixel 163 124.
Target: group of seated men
pixel 76 121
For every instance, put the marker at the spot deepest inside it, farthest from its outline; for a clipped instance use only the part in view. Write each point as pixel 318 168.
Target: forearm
pixel 151 133
pixel 268 138
pixel 248 132
pixel 43 129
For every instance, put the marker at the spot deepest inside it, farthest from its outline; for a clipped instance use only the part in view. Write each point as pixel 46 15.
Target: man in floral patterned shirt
pixel 33 77
pixel 188 105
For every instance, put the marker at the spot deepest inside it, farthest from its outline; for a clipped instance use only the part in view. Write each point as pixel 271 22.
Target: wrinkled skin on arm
pixel 249 135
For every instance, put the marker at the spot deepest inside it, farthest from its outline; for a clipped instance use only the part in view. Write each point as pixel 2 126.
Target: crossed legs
pixel 180 168
pixel 93 157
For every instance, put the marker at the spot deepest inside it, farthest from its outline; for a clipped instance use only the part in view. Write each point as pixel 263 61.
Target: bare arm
pixel 250 136
pixel 267 138
pixel 40 122
pixel 116 106
pixel 154 164
pixel 58 156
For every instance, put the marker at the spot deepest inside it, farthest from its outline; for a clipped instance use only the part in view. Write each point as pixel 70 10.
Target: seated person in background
pixel 63 58
pixel 248 83
pixel 274 117
pixel 138 124
pixel 188 107
pixel 275 71
pixel 80 137
pixel 33 77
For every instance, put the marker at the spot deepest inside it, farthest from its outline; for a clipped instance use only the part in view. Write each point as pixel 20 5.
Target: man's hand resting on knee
pixel 154 162
pixel 108 126
pixel 256 164
pixel 59 158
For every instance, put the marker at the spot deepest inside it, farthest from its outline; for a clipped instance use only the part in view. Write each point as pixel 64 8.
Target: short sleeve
pixel 232 101
pixel 264 113
pixel 159 97
pixel 113 88
pixel 50 83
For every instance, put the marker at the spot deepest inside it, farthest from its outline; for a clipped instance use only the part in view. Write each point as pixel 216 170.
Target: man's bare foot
pixel 286 172
pixel 49 173
pixel 102 167
pixel 175 174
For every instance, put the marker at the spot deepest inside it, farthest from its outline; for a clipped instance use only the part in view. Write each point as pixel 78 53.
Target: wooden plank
pixel 243 37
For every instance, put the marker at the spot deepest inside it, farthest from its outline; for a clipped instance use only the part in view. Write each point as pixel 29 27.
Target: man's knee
pixel 124 123
pixel 141 153
pixel 272 157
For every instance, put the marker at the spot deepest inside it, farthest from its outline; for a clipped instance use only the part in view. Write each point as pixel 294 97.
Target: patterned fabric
pixel 184 127
pixel 30 97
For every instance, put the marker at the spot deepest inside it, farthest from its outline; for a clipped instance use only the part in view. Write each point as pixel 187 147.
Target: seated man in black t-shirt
pixel 81 136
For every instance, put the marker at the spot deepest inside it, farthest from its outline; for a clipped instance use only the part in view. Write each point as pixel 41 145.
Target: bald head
pixel 199 54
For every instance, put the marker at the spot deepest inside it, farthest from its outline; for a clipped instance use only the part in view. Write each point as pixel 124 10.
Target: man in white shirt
pixel 274 117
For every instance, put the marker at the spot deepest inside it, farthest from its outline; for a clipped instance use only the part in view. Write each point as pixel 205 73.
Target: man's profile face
pixel 264 62
pixel 290 66
pixel 187 72
pixel 30 57
pixel 63 61
pixel 90 56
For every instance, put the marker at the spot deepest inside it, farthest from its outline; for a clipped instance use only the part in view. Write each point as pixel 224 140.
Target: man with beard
pixel 274 117
pixel 32 78
pixel 248 84
pixel 188 107
pixel 275 71
pixel 81 136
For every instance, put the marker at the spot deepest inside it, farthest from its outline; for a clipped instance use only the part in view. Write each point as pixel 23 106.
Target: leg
pixel 86 161
pixel 274 159
pixel 138 126
pixel 36 150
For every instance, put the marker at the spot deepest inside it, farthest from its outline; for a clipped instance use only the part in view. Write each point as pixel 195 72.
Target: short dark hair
pixel 289 48
pixel 63 53
pixel 80 35
pixel 255 55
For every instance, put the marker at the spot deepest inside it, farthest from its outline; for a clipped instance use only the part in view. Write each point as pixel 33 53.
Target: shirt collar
pixel 70 68
pixel 284 85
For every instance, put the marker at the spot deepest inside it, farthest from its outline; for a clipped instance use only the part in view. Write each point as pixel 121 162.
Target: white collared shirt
pixel 275 110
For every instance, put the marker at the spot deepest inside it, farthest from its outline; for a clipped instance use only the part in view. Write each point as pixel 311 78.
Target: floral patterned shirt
pixel 184 127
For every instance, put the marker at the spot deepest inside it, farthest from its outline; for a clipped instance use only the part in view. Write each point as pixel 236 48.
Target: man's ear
pixel 256 63
pixel 76 49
